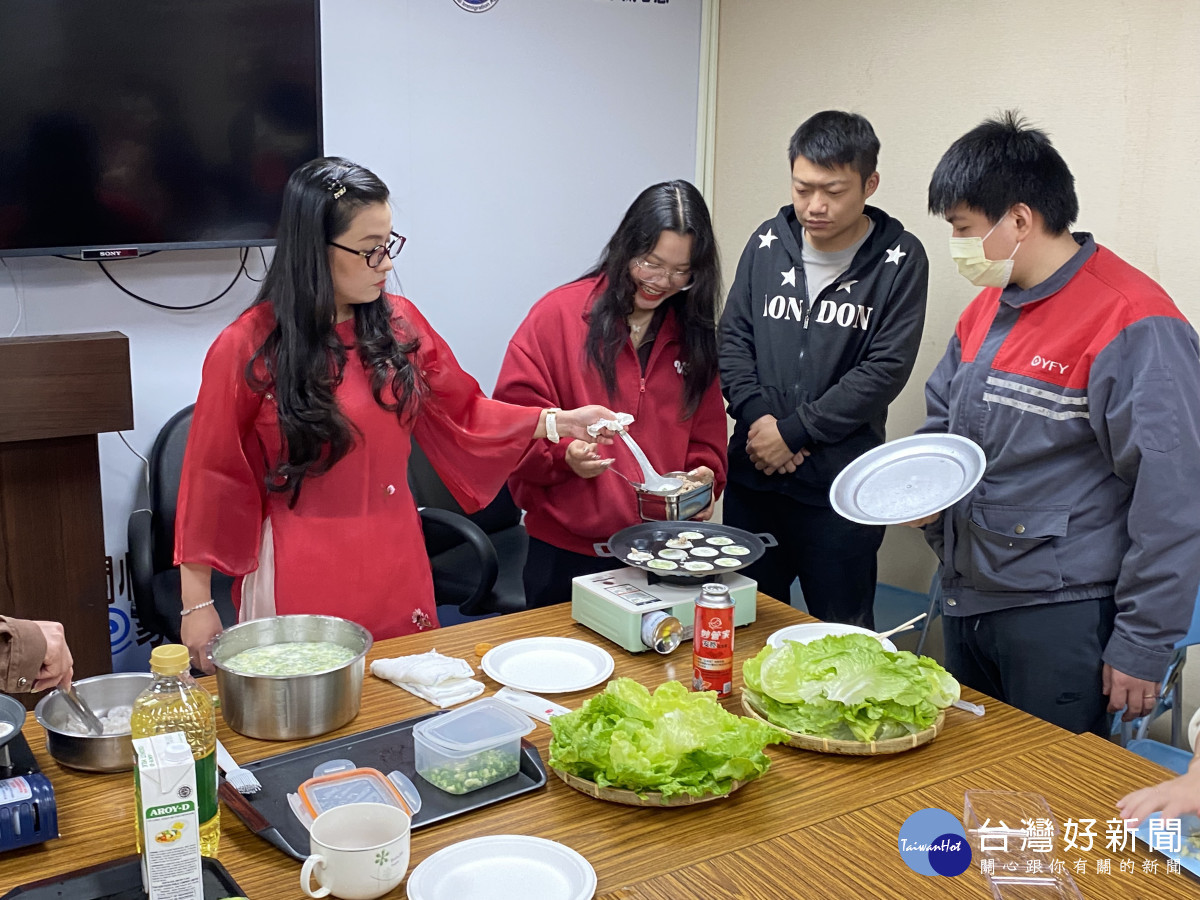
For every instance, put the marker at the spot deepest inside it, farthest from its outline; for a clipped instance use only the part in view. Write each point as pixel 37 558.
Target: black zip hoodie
pixel 827 370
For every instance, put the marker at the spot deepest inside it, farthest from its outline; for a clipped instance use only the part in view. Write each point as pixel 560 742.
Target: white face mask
pixel 973 264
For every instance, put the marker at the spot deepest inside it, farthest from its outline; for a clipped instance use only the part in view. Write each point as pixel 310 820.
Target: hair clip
pixel 335 187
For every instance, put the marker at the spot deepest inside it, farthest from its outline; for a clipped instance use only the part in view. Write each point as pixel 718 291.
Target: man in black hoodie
pixel 819 335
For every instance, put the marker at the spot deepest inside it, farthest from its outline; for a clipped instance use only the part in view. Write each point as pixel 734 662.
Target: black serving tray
pixel 385 748
pixel 120 879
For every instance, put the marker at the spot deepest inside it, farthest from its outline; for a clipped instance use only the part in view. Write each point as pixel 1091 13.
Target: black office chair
pixel 153 575
pixel 478 560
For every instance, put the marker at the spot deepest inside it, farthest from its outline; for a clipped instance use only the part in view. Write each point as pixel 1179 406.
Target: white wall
pixel 512 141
pixel 1113 82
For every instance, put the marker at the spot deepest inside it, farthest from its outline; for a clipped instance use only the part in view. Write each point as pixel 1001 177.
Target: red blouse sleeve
pixel 222 494
pixel 472 441
pixel 525 378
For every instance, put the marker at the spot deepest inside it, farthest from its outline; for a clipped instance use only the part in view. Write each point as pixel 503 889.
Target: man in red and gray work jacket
pixel 1071 570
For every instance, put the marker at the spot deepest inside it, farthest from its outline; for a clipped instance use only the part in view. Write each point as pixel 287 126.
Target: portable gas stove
pixel 650 604
pixel 28 814
pixel 622 604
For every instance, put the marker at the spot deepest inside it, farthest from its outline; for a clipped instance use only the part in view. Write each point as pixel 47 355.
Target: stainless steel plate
pixel 908 479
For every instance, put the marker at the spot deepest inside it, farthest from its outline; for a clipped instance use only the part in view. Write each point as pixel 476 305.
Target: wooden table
pixel 854 855
pixel 808 801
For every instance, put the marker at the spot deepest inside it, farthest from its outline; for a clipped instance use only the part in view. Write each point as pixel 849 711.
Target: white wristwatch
pixel 552 425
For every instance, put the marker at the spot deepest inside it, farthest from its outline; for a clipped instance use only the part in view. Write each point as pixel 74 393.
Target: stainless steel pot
pixel 288 707
pixel 92 752
pixel 654 506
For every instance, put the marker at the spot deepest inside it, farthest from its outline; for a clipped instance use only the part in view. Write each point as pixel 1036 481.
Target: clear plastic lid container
pixel 477 726
pixel 323 792
pixel 1058 886
pixel 1012 829
pixel 472 747
pixel 1009 824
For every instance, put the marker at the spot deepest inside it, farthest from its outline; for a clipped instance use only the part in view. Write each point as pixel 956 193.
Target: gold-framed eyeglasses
pixel 679 279
pixel 375 255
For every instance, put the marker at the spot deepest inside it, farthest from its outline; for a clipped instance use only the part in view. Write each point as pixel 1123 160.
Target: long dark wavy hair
pixel 302 359
pixel 670 206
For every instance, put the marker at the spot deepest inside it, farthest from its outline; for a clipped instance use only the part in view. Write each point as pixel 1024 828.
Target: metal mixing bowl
pixel 92 752
pixel 288 707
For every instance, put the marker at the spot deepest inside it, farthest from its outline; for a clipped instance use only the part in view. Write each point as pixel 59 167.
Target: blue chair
pixel 1157 752
pixel 894 605
pixel 1170 696
pixel 935 609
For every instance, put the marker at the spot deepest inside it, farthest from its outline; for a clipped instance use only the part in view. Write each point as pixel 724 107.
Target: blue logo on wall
pixel 119 628
pixel 933 842
pixel 476 5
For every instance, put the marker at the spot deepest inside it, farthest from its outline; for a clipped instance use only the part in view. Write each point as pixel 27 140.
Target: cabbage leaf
pixel 674 741
pixel 848 687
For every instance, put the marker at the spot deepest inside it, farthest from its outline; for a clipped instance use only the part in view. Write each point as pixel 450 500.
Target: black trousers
pixel 549 570
pixel 834 558
pixel 1045 660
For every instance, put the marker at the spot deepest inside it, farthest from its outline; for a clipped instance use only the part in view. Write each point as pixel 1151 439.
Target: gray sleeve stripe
pixel 1033 408
pixel 1036 392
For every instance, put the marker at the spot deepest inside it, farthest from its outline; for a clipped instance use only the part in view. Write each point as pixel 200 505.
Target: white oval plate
pixel 814 631
pixel 548 665
pixel 906 479
pixel 504 867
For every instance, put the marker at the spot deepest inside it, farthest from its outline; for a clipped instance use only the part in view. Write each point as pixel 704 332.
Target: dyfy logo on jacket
pixel 1048 365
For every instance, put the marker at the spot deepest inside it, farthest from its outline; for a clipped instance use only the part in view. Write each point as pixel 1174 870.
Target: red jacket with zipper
pixel 547 365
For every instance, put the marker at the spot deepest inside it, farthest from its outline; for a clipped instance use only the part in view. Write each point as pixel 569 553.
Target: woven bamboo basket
pixel 850 748
pixel 631 798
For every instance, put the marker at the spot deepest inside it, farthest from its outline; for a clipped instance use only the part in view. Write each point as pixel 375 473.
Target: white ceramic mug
pixel 359 851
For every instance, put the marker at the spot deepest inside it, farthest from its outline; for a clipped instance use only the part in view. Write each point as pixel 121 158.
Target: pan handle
pixel 768 540
pixel 602 549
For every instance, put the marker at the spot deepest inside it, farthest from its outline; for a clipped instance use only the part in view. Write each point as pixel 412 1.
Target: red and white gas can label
pixel 712 650
pixel 13 790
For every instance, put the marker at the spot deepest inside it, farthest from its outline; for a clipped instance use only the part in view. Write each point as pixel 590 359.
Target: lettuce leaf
pixel 848 687
pixel 673 740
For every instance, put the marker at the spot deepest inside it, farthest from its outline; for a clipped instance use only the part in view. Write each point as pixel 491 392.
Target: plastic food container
pixel 472 747
pixel 997 823
pixel 1012 829
pixel 324 792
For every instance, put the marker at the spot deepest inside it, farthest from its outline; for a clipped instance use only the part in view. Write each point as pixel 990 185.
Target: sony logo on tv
pixel 110 253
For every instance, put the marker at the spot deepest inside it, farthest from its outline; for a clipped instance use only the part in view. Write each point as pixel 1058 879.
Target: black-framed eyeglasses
pixel 375 255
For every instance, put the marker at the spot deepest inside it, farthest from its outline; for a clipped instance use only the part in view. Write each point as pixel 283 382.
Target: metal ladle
pixel 651 480
pixel 81 709
pixel 634 484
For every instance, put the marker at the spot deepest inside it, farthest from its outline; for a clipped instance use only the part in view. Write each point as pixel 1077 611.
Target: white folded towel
pixel 441 680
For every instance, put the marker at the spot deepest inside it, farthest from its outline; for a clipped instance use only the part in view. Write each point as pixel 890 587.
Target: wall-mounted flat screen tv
pixel 152 124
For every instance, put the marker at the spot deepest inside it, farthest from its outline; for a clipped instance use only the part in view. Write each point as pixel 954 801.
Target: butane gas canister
pixel 28 814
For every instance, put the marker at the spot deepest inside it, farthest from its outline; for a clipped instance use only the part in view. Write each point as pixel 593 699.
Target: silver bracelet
pixel 192 609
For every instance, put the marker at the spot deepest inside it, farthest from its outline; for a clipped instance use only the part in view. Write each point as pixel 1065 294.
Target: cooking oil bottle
pixel 175 702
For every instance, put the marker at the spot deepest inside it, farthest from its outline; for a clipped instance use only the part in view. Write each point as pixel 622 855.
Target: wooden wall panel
pixel 64 384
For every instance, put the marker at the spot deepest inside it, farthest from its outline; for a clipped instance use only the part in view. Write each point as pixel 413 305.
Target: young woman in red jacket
pixel 639 331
